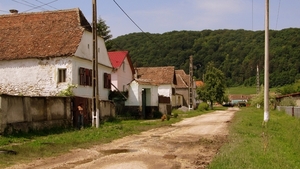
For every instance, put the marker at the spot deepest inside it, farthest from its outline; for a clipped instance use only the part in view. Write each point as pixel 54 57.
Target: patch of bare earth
pixel 191 143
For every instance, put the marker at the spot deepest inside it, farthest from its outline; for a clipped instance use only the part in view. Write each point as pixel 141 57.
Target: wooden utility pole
pixel 95 102
pixel 266 85
pixel 191 85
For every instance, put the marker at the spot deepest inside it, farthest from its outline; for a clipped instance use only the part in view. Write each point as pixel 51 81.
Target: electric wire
pixel 4 11
pixel 33 5
pixel 40 5
pixel 28 4
pixel 278 13
pixel 135 23
pixel 46 4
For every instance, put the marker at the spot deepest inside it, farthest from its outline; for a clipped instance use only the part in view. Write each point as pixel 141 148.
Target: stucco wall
pixel 34 77
pixel 135 95
pixel 122 77
pixel 23 113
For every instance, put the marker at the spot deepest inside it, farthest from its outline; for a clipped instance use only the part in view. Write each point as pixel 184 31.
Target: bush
pixel 287 101
pixel 203 106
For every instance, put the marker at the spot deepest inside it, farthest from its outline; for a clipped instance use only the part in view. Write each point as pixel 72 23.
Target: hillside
pixel 236 52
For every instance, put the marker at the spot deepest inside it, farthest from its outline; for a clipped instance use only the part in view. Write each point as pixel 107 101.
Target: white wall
pixel 123 76
pixel 135 95
pixel 85 49
pixel 165 90
pixel 86 91
pixel 34 77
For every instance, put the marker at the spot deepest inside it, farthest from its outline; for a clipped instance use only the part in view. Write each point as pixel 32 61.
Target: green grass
pixel 251 145
pixel 244 90
pixel 34 145
pixel 241 90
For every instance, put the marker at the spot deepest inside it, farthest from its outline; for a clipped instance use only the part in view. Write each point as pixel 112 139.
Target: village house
pixel 182 88
pixel 123 70
pixel 49 54
pixel 152 90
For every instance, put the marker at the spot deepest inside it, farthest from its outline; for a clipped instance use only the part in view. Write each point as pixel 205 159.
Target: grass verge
pixel 25 147
pixel 251 145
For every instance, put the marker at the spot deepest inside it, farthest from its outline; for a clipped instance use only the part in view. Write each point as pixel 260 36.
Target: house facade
pixel 123 70
pixel 152 84
pixel 44 55
pixel 48 54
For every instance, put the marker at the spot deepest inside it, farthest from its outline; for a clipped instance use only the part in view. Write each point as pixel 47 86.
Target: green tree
pixel 214 87
pixel 103 30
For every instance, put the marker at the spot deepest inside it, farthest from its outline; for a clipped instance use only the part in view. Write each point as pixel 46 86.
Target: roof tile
pixel 41 34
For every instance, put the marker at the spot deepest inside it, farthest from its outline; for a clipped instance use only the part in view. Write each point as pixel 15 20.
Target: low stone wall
pixel 23 113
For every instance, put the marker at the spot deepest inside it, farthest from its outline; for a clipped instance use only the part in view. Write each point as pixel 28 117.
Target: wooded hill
pixel 235 52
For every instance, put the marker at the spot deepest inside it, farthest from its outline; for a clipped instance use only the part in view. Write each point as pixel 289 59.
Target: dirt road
pixel 191 143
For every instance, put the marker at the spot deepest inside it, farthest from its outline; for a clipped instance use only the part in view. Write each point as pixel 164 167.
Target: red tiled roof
pixel 117 57
pixel 41 34
pixel 156 75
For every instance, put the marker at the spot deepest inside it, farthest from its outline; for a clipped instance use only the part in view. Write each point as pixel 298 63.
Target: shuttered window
pixel 107 81
pixel 85 76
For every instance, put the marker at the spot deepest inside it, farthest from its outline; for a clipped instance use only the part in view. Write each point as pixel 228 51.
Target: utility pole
pixel 95 102
pixel 191 85
pixel 266 85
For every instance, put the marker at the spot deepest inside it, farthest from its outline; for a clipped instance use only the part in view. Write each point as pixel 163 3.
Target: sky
pixel 161 16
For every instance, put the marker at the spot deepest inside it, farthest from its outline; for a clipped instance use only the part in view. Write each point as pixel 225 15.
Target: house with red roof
pixel 50 53
pixel 123 70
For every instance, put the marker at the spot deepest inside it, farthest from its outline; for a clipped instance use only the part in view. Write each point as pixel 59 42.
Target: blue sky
pixel 160 16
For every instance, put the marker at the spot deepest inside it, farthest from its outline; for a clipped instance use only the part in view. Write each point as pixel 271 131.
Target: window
pixel 85 76
pixel 107 81
pixel 62 75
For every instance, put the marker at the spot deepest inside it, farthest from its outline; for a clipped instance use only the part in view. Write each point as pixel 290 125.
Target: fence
pixel 22 113
pixel 290 110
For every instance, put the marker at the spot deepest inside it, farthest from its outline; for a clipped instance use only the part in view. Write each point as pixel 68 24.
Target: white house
pixel 42 53
pixel 46 53
pixel 152 90
pixel 123 70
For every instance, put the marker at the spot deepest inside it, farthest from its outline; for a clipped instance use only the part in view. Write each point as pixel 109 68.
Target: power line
pixel 46 4
pixel 135 23
pixel 40 6
pixel 278 13
pixel 4 11
pixel 33 5
pixel 26 3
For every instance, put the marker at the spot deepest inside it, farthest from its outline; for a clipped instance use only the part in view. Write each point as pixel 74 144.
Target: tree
pixel 103 30
pixel 213 89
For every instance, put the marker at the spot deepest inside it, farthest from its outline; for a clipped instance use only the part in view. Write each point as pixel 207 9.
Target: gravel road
pixel 191 143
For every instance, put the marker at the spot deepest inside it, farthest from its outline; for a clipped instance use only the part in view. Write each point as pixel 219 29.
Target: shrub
pixel 287 101
pixel 203 106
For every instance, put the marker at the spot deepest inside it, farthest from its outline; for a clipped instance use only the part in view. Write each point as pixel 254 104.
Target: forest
pixel 237 53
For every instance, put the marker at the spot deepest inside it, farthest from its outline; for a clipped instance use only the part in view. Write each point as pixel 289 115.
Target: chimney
pixel 13 11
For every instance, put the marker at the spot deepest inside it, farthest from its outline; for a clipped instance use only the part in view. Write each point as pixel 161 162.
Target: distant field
pixel 241 90
pixel 244 90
